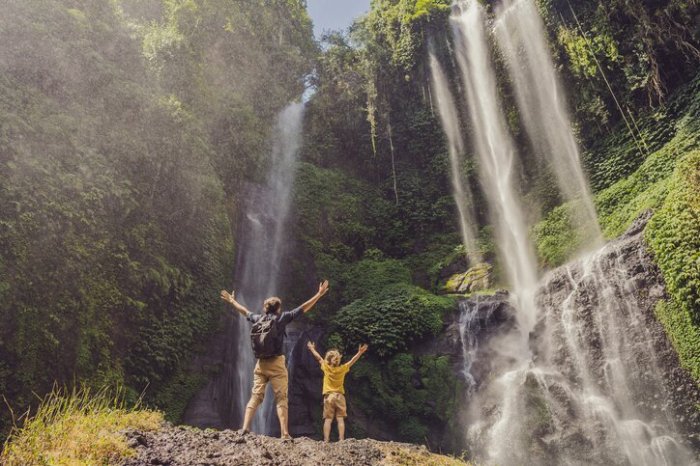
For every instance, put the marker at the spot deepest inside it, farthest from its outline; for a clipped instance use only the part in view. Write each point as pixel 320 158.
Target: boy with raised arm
pixel 267 338
pixel 334 405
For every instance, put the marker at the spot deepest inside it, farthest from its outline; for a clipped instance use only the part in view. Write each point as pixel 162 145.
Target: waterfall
pixel 602 386
pixel 261 247
pixel 496 158
pixel 599 361
pixel 460 190
pixel 578 380
pixel 520 35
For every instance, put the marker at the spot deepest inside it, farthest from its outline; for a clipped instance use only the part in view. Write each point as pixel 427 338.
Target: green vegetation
pixel 646 188
pixel 674 235
pixel 123 144
pixel 393 319
pixel 80 428
pixel 645 50
pixel 416 393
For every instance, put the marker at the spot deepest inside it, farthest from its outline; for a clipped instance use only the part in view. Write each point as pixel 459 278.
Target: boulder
pixel 477 278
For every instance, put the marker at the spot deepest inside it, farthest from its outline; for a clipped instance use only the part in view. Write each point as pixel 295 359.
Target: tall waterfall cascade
pixel 520 35
pixel 577 379
pixel 460 189
pixel 260 250
pixel 497 161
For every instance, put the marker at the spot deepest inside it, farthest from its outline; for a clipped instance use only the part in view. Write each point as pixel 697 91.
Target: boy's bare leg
pixel 327 429
pixel 341 427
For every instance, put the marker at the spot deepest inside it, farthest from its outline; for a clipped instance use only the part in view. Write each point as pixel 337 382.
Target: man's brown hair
pixel 272 305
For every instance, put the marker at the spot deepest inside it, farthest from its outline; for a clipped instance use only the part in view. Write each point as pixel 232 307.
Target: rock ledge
pixel 179 446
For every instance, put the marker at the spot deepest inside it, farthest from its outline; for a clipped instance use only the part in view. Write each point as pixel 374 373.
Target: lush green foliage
pixel 369 277
pixel 683 333
pixel 416 393
pixel 393 319
pixel 674 235
pixel 643 49
pixel 646 188
pixel 114 222
pixel 556 237
pixel 235 64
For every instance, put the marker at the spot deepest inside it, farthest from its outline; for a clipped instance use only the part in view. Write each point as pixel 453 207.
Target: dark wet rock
pixel 608 299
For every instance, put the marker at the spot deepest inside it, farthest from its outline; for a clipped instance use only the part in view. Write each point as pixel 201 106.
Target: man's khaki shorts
pixel 334 405
pixel 274 371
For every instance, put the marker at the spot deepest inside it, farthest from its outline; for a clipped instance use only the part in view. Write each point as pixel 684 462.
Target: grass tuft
pixel 77 428
pixel 400 456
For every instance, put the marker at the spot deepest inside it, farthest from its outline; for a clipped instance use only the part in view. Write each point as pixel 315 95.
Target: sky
pixel 335 14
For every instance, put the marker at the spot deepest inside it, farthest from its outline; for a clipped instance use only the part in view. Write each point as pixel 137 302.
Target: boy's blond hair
pixel 332 358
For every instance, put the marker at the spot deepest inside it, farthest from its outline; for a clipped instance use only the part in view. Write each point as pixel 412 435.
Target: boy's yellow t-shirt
pixel 334 377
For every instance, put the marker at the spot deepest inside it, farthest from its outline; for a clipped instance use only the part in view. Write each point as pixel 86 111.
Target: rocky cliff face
pixel 625 277
pixel 602 384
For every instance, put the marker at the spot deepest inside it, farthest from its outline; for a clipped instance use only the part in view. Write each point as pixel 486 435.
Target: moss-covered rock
pixel 477 278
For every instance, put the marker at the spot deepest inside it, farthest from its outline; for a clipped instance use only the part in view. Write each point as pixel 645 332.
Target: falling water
pixel 497 169
pixel 474 318
pixel 496 159
pixel 598 362
pixel 577 381
pixel 460 190
pixel 261 248
pixel 260 253
pixel 520 35
pixel 600 387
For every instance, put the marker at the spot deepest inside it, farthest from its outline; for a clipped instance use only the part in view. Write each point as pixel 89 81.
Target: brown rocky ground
pixel 179 446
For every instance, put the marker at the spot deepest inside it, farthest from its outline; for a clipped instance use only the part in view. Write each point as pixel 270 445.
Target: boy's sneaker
pixel 287 438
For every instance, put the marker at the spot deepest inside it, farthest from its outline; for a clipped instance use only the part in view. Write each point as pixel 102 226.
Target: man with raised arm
pixel 334 405
pixel 267 338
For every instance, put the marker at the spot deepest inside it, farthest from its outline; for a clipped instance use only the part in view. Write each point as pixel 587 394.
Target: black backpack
pixel 265 337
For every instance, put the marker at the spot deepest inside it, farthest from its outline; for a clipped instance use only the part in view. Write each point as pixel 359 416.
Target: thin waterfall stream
pixel 460 188
pixel 262 245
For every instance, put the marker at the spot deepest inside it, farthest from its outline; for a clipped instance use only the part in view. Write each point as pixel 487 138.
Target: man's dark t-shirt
pixel 282 321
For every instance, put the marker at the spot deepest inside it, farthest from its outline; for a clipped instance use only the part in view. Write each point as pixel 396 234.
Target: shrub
pixel 391 320
pixel 369 276
pixel 415 393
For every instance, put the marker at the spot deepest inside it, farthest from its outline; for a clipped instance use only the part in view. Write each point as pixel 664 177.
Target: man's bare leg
pixel 282 415
pixel 248 418
pixel 341 427
pixel 327 429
